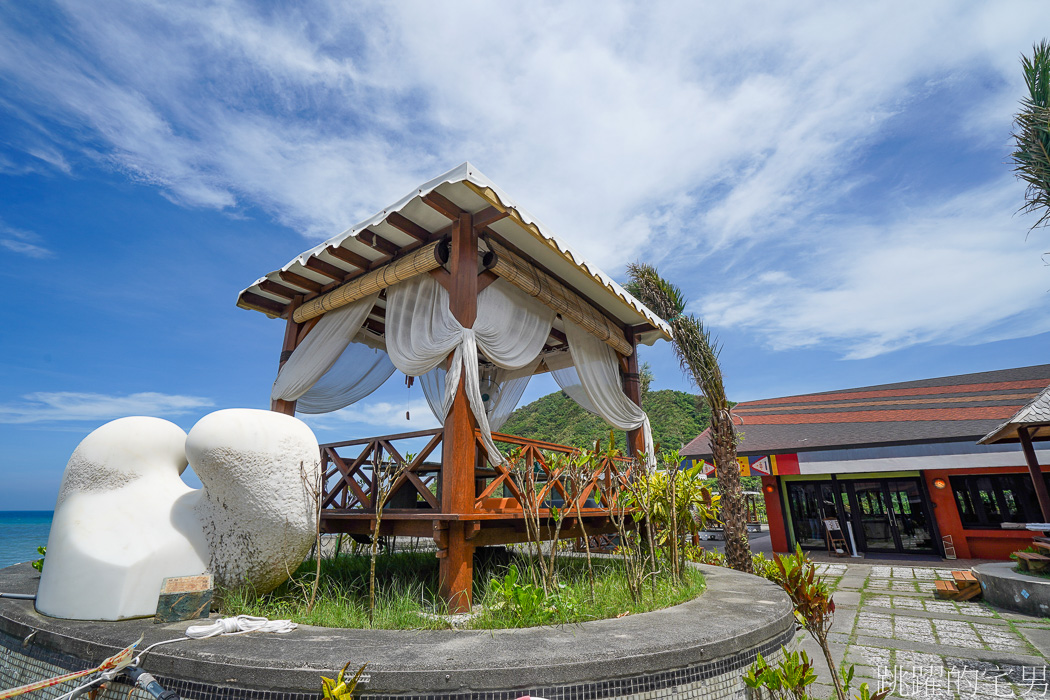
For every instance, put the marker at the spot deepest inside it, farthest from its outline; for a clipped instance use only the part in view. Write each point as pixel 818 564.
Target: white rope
pixel 242 624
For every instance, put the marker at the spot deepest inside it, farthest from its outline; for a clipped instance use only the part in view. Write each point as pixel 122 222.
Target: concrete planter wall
pixel 694 650
pixel 1005 588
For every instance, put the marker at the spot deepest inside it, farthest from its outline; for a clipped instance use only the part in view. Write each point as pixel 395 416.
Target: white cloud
pixel 23 242
pixel 375 414
pixel 959 272
pixel 676 131
pixel 54 406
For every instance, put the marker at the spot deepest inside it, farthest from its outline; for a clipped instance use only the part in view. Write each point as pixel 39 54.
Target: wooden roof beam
pixel 443 205
pixel 260 303
pixel 279 289
pixel 379 243
pixel 300 281
pixel 332 272
pixel 406 225
pixel 349 256
pixel 487 217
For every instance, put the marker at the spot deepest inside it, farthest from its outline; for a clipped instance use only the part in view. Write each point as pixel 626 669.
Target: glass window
pixel 987 501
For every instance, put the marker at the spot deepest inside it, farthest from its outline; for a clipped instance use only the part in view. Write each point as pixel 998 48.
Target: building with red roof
pixel 897 466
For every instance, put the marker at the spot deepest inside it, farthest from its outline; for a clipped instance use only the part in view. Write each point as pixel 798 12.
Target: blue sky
pixel 828 183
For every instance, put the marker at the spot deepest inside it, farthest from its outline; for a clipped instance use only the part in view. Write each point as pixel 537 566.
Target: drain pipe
pixel 19 596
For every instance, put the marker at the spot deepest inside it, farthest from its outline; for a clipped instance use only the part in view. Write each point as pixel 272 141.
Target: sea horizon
pixel 21 532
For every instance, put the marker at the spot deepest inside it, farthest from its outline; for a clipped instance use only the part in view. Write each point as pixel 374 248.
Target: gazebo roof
pixel 1035 416
pixel 425 215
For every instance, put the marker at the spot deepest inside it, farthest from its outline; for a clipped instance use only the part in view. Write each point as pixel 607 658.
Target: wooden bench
pixel 1041 544
pixel 964 586
pixel 968 585
pixel 1030 561
pixel 946 590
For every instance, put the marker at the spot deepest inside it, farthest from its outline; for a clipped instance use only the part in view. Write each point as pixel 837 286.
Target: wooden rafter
pixel 348 256
pixel 260 303
pixel 383 245
pixel 486 217
pixel 332 272
pixel 300 281
pixel 406 225
pixel 279 289
pixel 442 205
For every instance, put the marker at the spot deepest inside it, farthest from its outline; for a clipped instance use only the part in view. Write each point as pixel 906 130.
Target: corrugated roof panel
pixel 466 187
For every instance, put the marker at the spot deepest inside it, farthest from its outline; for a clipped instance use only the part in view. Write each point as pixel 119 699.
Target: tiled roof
pixel 960 407
pixel 1035 416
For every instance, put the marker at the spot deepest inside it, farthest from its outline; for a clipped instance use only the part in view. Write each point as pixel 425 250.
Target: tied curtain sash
pixel 421 331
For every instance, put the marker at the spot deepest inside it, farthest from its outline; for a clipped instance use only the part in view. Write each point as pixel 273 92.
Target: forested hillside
pixel 675 416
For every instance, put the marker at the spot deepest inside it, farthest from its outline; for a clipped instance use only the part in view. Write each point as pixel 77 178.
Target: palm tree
pixel 1032 134
pixel 698 354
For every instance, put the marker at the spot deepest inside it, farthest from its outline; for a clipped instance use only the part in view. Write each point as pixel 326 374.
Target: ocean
pixel 21 532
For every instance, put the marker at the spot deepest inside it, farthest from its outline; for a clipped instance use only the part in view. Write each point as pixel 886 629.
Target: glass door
pixel 876 522
pixel 893 516
pixel 810 502
pixel 910 515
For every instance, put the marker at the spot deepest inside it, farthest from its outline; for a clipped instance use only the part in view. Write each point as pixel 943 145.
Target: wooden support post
pixel 291 340
pixel 456 568
pixel 1035 472
pixel 632 386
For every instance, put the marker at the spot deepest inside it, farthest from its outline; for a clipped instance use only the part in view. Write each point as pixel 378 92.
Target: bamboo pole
pixel 554 294
pixel 415 263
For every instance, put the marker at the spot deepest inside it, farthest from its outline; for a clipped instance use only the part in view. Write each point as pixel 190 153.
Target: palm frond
pixel 1031 156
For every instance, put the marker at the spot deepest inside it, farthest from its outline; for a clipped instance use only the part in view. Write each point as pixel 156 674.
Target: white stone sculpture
pixel 125 520
pixel 256 508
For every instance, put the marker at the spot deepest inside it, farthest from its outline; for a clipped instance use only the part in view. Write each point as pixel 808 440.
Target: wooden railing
pixel 351 467
pixel 600 483
pixel 350 479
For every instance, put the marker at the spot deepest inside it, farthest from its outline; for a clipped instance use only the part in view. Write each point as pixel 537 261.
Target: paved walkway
pixel 889 625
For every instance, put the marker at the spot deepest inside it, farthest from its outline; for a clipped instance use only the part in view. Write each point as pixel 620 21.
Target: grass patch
pixel 1029 572
pixel 408 581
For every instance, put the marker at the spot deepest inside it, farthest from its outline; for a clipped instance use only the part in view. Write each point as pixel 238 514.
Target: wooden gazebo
pixel 465 233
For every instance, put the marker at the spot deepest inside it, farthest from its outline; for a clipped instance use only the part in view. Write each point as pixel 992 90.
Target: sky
pixel 828 183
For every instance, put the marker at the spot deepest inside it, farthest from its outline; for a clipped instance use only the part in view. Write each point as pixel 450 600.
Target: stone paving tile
pixel 892 614
pixel 874 656
pixel 831 569
pixel 957 634
pixel 946 607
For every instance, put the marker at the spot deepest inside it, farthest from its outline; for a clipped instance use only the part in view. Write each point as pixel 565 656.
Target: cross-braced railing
pixel 598 481
pixel 350 478
pixel 351 470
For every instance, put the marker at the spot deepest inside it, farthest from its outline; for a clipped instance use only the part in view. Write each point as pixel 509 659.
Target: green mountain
pixel 676 418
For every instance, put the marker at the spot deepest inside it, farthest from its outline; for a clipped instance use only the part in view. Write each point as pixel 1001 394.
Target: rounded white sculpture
pixel 257 509
pixel 125 520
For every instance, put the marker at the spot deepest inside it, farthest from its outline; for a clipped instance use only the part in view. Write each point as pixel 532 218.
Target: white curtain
pixel 594 382
pixel 510 384
pixel 358 372
pixel 511 328
pixel 321 349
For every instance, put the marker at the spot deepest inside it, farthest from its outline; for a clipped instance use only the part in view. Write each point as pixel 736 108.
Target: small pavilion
pixel 460 289
pixel 1032 422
